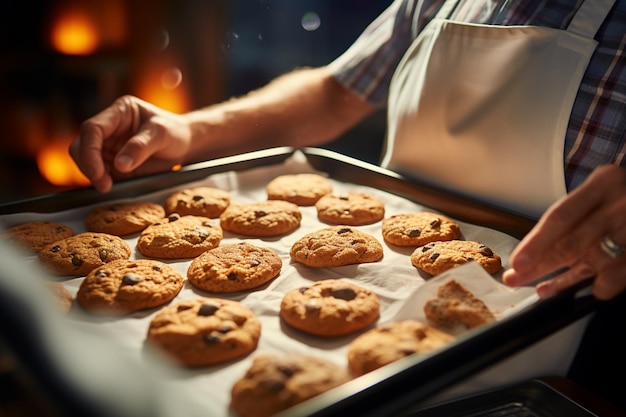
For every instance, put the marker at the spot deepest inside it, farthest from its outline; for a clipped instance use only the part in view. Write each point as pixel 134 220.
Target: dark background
pixel 223 48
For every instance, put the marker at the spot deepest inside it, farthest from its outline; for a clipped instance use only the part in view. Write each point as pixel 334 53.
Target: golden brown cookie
pixel 276 382
pixel 122 219
pixel 198 201
pixel 336 246
pixel 234 267
pixel 418 229
pixel 331 307
pixel 64 298
pixel 437 257
pixel 125 286
pixel 205 331
pixel 354 208
pixel 456 307
pixel 391 342
pixel 79 254
pixel 34 235
pixel 262 219
pixel 300 189
pixel 178 237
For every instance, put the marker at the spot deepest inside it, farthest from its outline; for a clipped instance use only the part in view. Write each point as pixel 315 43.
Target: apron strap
pixel 589 17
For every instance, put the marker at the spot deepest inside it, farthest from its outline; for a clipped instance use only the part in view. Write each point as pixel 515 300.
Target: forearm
pixel 303 108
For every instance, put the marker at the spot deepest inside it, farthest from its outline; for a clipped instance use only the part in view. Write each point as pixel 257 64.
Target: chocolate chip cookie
pixel 178 237
pixel 34 235
pixel 205 331
pixel 261 219
pixel 124 218
pixel 336 246
pixel 455 307
pixel 276 382
pixel 125 286
pixel 354 208
pixel 198 201
pixel 79 254
pixel 418 229
pixel 300 189
pixel 437 257
pixel 391 342
pixel 234 267
pixel 330 308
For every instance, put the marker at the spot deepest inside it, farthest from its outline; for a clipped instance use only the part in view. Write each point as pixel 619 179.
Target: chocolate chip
pixel 226 327
pixel 303 289
pixel 56 248
pixel 344 230
pixel 433 256
pixel 255 262
pixel 197 198
pixel 103 254
pixel 407 352
pixel 207 223
pixel 346 212
pixel 344 198
pixel 435 222
pixel 173 217
pixel 484 250
pixel 413 232
pixel 101 273
pixel 344 294
pixel 288 372
pixel 312 307
pixel 130 279
pixel 427 247
pixel 212 338
pixel 76 261
pixel 208 308
pixel 59 229
pixel 232 276
pixel 156 268
pixel 260 213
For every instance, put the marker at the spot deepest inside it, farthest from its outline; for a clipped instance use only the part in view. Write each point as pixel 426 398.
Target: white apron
pixel 483 110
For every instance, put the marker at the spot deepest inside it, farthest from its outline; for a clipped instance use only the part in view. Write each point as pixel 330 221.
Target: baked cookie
pixel 123 218
pixel 355 208
pixel 456 307
pixel 198 201
pixel 330 308
pixel 178 237
pixel 336 246
pixel 276 382
pixel 234 267
pixel 262 219
pixel 391 342
pixel 125 286
pixel 34 235
pixel 437 257
pixel 205 331
pixel 63 297
pixel 300 189
pixel 418 229
pixel 79 254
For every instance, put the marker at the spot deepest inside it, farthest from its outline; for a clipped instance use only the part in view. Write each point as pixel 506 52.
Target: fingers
pixel 569 236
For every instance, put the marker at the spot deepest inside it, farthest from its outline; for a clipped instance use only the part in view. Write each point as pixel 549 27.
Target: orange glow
pixel 74 32
pixel 162 84
pixel 57 167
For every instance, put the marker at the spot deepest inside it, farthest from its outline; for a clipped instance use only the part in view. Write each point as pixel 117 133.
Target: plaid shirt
pixel 596 132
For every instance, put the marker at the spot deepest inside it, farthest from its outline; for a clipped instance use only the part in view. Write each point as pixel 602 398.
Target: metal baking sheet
pixel 391 389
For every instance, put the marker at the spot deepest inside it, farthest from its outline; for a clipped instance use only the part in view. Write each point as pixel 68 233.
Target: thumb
pixel 136 151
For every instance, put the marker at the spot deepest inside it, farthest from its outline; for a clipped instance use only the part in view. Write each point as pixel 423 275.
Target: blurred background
pixel 62 61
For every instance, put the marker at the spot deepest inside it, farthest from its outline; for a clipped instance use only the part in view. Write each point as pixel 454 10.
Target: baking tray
pixel 394 388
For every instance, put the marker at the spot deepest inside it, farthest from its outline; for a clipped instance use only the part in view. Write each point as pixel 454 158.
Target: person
pixel 524 101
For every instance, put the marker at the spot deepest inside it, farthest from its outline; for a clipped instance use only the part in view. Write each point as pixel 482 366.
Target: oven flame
pixel 57 167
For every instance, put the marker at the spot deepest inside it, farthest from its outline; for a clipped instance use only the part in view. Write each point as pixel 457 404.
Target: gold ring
pixel 611 248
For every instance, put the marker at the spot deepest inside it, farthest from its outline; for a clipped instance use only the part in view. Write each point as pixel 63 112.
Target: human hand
pixel 570 234
pixel 129 138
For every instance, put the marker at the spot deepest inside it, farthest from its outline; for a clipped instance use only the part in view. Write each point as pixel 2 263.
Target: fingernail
pixel 124 162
